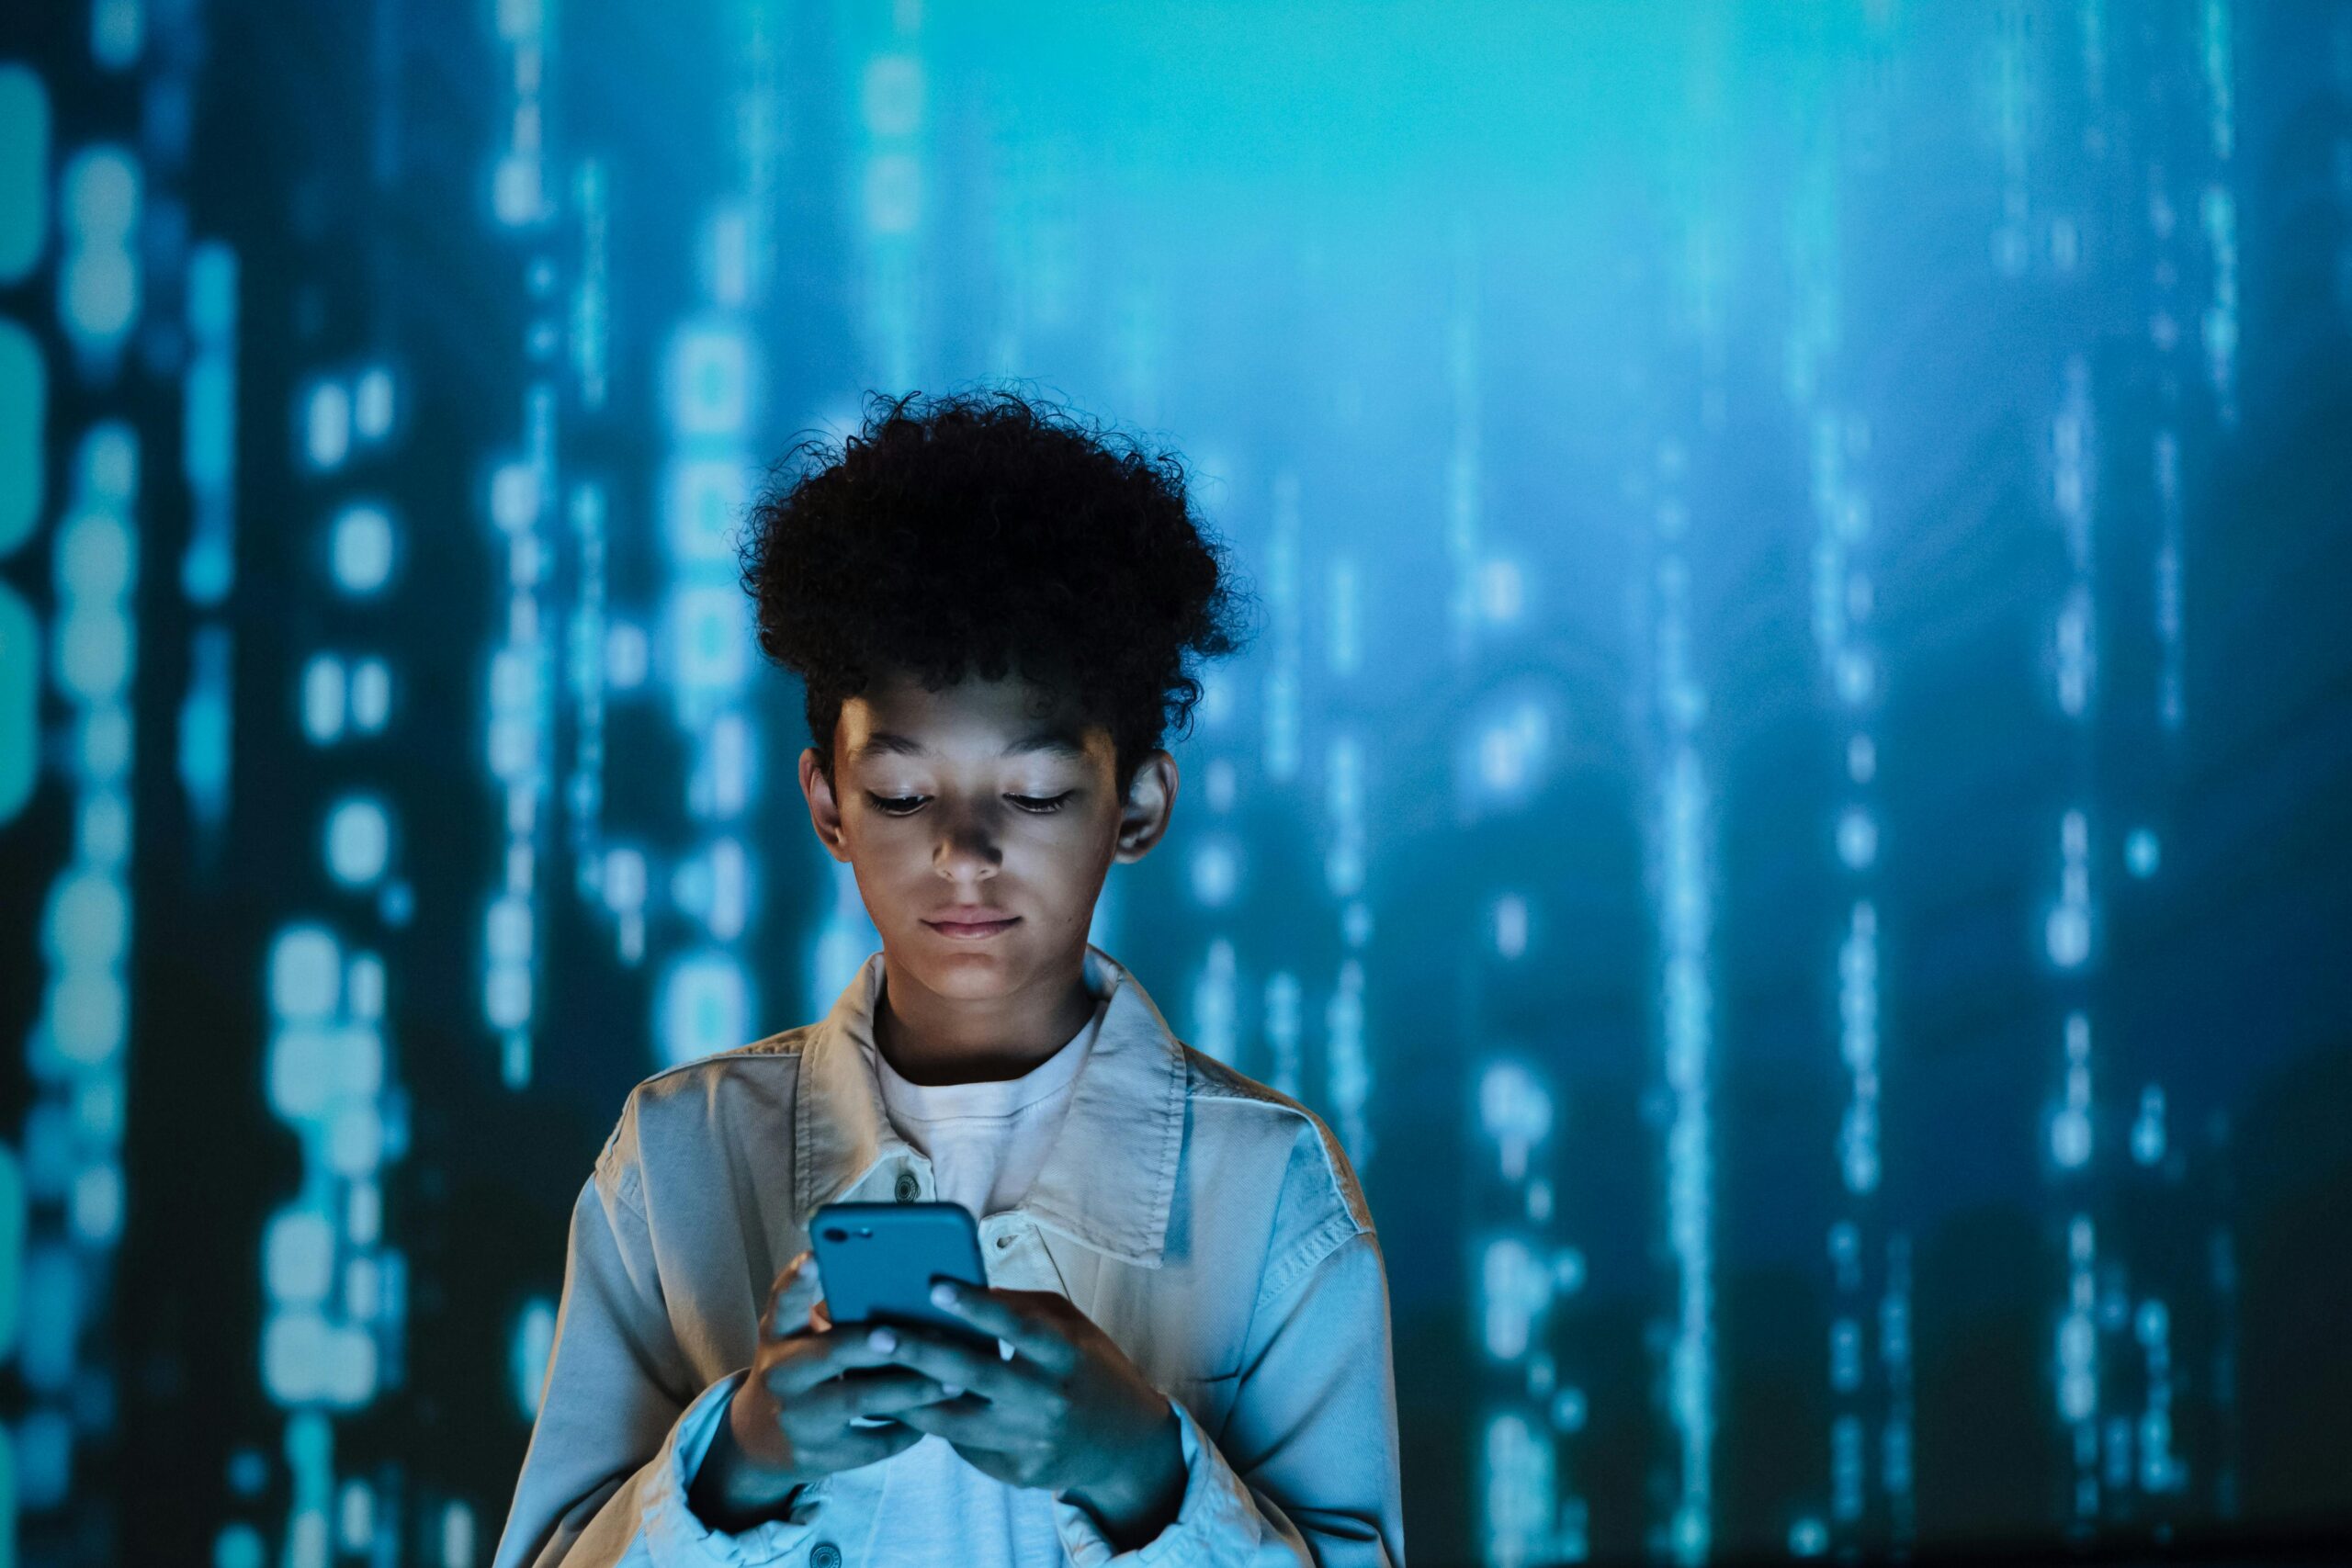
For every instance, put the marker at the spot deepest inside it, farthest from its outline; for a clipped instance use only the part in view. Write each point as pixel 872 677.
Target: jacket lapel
pixel 1109 1178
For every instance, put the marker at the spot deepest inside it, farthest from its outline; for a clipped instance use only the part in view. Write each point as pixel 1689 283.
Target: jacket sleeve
pixel 623 1420
pixel 1306 1469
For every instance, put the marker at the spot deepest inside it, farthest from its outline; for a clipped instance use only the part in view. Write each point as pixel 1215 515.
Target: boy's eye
pixel 906 805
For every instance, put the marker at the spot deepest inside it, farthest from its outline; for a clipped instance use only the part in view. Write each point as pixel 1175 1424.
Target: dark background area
pixel 1622 413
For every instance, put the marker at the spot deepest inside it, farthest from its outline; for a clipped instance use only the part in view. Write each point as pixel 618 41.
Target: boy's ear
pixel 824 811
pixel 1151 799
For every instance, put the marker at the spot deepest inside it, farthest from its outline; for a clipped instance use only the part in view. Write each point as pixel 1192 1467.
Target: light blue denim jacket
pixel 1210 1226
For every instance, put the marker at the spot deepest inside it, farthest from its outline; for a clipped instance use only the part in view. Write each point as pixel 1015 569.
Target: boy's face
pixel 980 821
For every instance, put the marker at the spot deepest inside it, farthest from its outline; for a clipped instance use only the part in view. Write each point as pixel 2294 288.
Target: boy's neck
pixel 931 1039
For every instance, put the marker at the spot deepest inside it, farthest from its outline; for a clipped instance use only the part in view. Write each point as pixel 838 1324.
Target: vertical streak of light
pixel 1684 913
pixel 334 1290
pixel 518 178
pixel 2012 89
pixel 2159 1471
pixel 518 681
pixel 1348 1060
pixel 1681 871
pixel 1216 1005
pixel 1530 1507
pixel 1217 989
pixel 1896 1449
pixel 583 795
pixel 1842 601
pixel 1135 337
pixel 75 1053
pixel 1285 670
pixel 893 199
pixel 2069 930
pixel 337 1292
pixel 714 375
pixel 1531 1513
pixel 2171 668
pixel 758 126
pixel 2165 457
pixel 2222 331
pixel 2218 207
pixel 519 735
pixel 1283 998
pixel 2077 1364
pixel 1347 1066
pixel 62 1223
pixel 2070 923
pixel 1688 1001
pixel 592 305
pixel 208 461
pixel 209 450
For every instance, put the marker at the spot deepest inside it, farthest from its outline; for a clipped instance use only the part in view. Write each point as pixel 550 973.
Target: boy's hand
pixel 788 1422
pixel 1069 1412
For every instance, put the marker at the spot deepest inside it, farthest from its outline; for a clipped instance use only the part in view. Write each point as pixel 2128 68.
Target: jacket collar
pixel 1110 1177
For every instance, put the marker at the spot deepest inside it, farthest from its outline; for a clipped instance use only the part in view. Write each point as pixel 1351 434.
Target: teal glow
pixel 24 399
pixel 19 701
pixel 24 171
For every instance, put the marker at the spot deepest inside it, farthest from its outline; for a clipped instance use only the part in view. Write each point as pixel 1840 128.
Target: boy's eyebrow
pixel 1062 741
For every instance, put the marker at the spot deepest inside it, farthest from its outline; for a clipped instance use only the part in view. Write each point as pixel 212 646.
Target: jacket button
pixel 824 1555
pixel 907 1191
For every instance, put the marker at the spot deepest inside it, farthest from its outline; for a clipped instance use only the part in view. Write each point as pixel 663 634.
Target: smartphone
pixel 878 1260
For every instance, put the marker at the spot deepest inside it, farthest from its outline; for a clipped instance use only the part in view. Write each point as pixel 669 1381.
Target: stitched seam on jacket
pixel 1319 1243
pixel 1266 1297
pixel 630 1190
pixel 626 1180
pixel 622 1176
pixel 1211 1079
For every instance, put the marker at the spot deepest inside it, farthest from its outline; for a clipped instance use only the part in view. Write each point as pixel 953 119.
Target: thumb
pixel 772 1315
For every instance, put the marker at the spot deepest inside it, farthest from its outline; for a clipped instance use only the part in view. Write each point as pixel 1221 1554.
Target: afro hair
pixel 991 532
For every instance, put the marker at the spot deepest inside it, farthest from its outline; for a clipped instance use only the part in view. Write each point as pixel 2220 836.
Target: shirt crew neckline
pixel 989 1098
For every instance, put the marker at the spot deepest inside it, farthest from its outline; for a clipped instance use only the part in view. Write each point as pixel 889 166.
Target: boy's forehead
pixel 895 714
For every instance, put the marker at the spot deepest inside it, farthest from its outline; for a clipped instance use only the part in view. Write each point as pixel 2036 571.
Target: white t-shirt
pixel 986 1143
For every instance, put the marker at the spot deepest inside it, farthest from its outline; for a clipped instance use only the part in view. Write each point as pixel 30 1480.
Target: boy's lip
pixel 972 923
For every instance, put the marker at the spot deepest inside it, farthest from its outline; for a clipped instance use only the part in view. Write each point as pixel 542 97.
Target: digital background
pixel 1788 805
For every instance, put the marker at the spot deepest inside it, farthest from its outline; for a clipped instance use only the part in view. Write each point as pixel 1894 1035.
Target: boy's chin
pixel 972 970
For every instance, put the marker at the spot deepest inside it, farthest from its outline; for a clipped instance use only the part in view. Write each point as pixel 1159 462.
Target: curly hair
pixel 992 533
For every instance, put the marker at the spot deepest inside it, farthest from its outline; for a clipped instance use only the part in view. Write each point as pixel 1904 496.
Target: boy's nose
pixel 966 849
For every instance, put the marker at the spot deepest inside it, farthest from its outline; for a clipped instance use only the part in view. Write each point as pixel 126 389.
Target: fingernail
pixel 943 1295
pixel 951 1388
pixel 882 1339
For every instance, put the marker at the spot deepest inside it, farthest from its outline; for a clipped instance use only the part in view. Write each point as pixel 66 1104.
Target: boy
pixel 991 608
